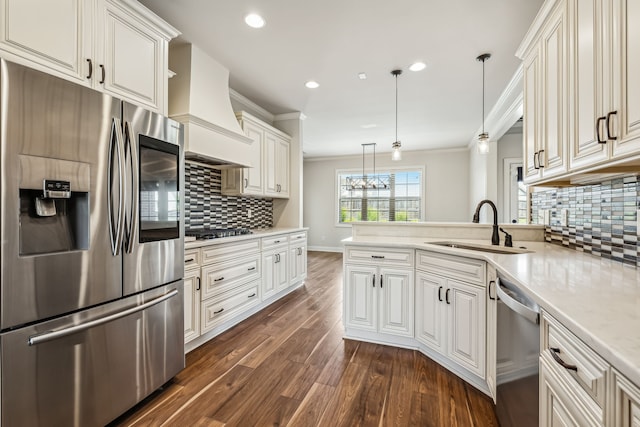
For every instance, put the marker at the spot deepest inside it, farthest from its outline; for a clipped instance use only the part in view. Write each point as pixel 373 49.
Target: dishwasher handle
pixel 506 294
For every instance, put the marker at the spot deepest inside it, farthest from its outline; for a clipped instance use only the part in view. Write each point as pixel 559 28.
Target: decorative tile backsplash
pixel 601 218
pixel 206 207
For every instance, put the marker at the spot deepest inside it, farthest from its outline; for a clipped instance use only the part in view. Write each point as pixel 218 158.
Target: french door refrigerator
pixel 91 228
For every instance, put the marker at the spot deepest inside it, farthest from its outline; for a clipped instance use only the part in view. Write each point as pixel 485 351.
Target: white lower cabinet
pixel 451 319
pixel 379 299
pixel 297 257
pixel 492 331
pixel 191 304
pixel 274 277
pixel 626 402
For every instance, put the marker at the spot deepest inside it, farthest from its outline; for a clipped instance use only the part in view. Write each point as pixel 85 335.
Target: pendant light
pixel 483 138
pixel 396 154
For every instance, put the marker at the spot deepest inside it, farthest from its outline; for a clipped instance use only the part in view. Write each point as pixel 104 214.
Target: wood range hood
pixel 199 99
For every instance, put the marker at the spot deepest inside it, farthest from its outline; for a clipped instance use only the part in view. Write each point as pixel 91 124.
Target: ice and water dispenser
pixel 54 205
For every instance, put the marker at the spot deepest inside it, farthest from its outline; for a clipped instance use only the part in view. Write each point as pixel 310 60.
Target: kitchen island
pixel 595 299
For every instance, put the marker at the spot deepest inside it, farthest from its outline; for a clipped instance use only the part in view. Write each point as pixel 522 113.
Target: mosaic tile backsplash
pixel 602 218
pixel 206 207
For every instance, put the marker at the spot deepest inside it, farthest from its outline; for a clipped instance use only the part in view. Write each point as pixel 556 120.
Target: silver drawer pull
pixel 219 311
pixel 554 353
pixel 377 256
pixel 218 279
pixel 189 260
pixel 251 268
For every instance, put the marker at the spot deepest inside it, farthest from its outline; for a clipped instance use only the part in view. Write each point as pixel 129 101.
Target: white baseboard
pixel 325 249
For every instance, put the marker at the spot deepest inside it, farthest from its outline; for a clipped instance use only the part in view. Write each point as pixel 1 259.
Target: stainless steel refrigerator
pixel 92 226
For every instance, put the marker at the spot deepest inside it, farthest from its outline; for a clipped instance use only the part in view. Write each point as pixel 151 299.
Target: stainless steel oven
pixel 518 351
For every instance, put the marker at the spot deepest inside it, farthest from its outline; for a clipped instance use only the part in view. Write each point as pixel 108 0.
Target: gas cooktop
pixel 215 233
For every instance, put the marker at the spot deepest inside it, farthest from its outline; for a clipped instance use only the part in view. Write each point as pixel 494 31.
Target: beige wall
pixel 446 188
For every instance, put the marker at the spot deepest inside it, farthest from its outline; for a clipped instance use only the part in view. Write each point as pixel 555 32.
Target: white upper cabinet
pixel 582 88
pixel 269 176
pixel 115 46
pixel 546 103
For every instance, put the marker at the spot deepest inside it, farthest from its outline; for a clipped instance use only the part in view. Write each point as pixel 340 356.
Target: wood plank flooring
pixel 289 366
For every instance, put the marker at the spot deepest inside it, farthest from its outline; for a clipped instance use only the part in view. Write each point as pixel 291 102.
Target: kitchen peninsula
pixel 592 301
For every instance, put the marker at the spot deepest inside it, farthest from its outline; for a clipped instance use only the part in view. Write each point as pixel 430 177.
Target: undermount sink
pixel 482 248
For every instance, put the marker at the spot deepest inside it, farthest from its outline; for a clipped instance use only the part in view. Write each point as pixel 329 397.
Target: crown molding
pixel 297 115
pixel 266 115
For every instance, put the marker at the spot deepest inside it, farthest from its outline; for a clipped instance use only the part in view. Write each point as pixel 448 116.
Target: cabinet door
pixel 396 302
pixel 130 56
pixel 467 325
pixel 430 313
pixel 554 99
pixel 55 34
pixel 531 118
pixel 282 167
pixel 252 182
pixel 587 79
pixel 282 269
pixel 191 304
pixel 270 165
pixel 627 85
pixel 297 263
pixel 269 272
pixel 626 402
pixel 360 295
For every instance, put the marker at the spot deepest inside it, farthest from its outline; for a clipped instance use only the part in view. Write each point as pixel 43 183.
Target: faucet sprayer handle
pixel 508 241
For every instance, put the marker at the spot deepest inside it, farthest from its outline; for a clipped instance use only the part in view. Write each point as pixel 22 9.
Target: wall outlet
pixel 248 213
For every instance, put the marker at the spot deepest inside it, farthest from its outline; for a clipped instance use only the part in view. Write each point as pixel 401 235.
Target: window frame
pixel 383 170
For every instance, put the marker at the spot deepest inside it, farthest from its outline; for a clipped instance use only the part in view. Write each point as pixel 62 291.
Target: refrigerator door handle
pixel 117 233
pixel 52 335
pixel 133 158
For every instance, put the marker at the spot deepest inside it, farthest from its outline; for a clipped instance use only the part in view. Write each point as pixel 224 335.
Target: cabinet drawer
pixel 467 269
pixel 227 251
pixel 192 258
pixel 380 256
pixel 269 242
pixel 584 371
pixel 221 277
pixel 297 237
pixel 223 307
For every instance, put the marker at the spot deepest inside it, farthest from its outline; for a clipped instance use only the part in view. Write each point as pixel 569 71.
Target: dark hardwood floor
pixel 289 366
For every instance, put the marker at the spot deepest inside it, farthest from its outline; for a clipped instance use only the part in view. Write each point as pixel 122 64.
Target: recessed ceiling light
pixel 254 20
pixel 418 66
pixel 362 76
pixel 312 84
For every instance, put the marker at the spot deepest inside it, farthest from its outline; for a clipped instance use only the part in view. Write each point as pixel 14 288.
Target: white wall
pixel 509 146
pixel 483 180
pixel 446 188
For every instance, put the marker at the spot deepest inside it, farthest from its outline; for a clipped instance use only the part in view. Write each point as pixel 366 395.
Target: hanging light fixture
pixel 372 181
pixel 396 154
pixel 483 138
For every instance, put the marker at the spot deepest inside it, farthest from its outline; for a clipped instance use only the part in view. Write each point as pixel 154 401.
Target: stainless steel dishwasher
pixel 518 351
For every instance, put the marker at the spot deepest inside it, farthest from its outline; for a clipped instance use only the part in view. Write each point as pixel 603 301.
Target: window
pixel 393 195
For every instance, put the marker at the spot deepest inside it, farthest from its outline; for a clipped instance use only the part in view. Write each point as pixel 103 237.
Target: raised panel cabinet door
pixel 55 34
pixel 282 269
pixel 132 55
pixel 554 98
pixel 430 310
pixel 282 167
pixel 269 275
pixel 396 302
pixel 626 402
pixel 587 79
pixel 270 165
pixel 252 177
pixel 360 296
pixel 531 116
pixel 467 326
pixel 492 331
pixel 627 16
pixel 191 304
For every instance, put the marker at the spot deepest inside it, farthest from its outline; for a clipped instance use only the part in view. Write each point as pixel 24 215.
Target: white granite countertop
pixel 597 299
pixel 255 234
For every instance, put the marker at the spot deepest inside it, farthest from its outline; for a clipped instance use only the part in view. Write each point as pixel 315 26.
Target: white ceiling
pixel 331 41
